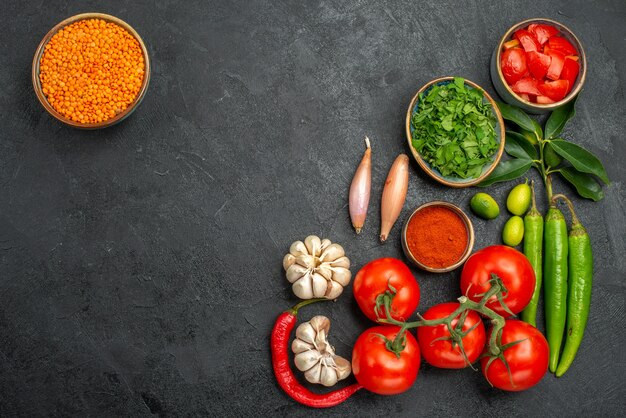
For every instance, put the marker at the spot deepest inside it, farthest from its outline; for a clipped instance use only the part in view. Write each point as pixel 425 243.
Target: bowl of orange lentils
pixel 91 70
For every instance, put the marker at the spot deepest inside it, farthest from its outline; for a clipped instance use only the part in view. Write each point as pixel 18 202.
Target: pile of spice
pixel 91 70
pixel 436 236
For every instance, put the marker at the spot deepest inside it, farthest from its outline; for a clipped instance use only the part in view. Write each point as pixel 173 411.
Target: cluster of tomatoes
pixel 522 351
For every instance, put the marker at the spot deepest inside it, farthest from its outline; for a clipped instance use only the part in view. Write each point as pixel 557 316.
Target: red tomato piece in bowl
pixel 557 59
pixel 513 64
pixel 528 41
pixel 542 32
pixel 555 90
pixel 558 43
pixel 570 71
pixel 527 85
pixel 538 64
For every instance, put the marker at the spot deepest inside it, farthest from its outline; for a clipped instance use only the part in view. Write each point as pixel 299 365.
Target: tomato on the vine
pixel 377 368
pixel 511 266
pixel 527 359
pixel 386 275
pixel 438 351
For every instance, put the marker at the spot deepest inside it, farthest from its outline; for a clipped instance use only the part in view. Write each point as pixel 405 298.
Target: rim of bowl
pixel 37 60
pixel 470 237
pixel 420 160
pixel 579 46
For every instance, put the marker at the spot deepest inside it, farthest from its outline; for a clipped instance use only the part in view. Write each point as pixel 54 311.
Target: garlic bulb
pixel 317 268
pixel 315 356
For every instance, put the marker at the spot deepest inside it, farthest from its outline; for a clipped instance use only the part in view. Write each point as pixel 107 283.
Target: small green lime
pixel 513 231
pixel 550 156
pixel 518 201
pixel 484 206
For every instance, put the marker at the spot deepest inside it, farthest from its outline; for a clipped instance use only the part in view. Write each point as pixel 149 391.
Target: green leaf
pixel 517 145
pixel 507 170
pixel 581 159
pixel 517 116
pixel 557 120
pixel 585 184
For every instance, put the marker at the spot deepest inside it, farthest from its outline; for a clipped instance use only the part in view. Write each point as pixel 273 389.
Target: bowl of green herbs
pixel 455 131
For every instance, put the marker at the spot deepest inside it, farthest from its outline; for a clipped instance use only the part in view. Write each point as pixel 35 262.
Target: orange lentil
pixel 91 70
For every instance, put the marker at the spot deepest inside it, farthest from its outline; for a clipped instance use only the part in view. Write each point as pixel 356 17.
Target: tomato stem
pixel 494 347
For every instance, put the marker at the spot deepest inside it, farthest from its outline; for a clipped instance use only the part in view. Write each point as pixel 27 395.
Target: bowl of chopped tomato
pixel 538 65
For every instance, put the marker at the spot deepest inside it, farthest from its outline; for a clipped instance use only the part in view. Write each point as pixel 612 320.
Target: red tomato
pixel 528 41
pixel 570 71
pixel 557 60
pixel 379 370
pixel 526 85
pixel 440 353
pixel 511 266
pixel 374 279
pixel 562 45
pixel 538 64
pixel 542 32
pixel 513 64
pixel 555 90
pixel 528 360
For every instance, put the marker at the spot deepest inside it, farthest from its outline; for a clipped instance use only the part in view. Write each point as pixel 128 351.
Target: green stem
pixel 464 304
pixel 570 205
pixel 294 310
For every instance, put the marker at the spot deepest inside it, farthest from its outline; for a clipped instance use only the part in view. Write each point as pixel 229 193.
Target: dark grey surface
pixel 140 266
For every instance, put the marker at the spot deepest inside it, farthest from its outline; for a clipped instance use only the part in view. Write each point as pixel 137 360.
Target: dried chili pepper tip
pixel 91 70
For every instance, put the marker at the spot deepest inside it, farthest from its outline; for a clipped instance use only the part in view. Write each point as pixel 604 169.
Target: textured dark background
pixel 140 266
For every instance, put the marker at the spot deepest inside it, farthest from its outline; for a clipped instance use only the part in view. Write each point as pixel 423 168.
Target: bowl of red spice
pixel 438 237
pixel 91 70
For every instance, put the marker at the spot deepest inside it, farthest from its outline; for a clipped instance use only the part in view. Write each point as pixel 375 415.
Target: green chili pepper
pixel 533 246
pixel 580 262
pixel 555 281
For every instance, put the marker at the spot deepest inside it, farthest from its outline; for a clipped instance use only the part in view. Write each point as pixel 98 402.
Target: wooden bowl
pixel 468 227
pixel 505 91
pixel 433 172
pixel 117 118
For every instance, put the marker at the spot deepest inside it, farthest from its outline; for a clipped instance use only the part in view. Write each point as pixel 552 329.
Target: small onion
pixel 394 194
pixel 360 189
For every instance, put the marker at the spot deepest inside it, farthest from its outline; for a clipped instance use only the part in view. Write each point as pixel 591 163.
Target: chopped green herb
pixel 454 130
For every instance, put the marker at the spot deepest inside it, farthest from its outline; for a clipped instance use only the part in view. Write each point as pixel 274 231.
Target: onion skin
pixel 359 197
pixel 394 194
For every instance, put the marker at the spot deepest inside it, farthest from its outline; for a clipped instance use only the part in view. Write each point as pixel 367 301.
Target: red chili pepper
pixel 284 375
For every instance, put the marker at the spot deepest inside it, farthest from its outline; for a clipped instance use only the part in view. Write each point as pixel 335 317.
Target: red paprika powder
pixel 436 236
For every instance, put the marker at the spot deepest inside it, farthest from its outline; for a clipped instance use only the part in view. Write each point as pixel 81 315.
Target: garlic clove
pixel 319 285
pixel 325 270
pixel 295 272
pixel 313 245
pixel 342 276
pixel 306 260
pixel 325 243
pixel 307 359
pixel 298 346
pixel 334 290
pixel 333 252
pixel 340 262
pixel 306 333
pixel 288 260
pixel 328 376
pixel 303 287
pixel 313 374
pixel 298 248
pixel 320 323
pixel 342 367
